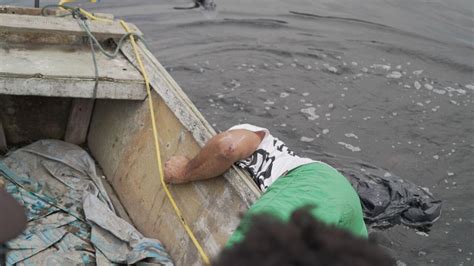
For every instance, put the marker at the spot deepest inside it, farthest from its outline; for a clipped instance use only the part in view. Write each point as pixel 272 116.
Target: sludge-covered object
pixel 386 199
pixel 71 219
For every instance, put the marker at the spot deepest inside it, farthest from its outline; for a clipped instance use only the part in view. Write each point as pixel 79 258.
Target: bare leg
pixel 216 157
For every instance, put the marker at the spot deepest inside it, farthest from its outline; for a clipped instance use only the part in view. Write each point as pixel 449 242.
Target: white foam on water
pixel 399 67
pixel 380 66
pixel 460 91
pixel 330 68
pixel 268 102
pixel 325 131
pixel 354 63
pixel 469 86
pixel 306 139
pixel 418 72
pixel 279 64
pixel 422 233
pixel 367 118
pixel 308 67
pixel 394 75
pixel 420 104
pixel 436 157
pixel 438 91
pixel 292 89
pixel 349 146
pixel 305 94
pixel 330 106
pixel 351 135
pixel 311 112
pixel 428 86
pixel 284 94
pixel 293 64
pixel 308 104
pixel 262 90
pixel 417 85
pixel 407 86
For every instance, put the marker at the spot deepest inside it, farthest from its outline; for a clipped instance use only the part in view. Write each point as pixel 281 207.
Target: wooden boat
pixel 47 91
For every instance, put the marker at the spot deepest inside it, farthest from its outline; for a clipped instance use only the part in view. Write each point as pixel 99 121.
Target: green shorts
pixel 317 184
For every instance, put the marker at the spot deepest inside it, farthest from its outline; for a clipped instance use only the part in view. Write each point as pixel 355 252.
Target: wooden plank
pixel 3 139
pixel 64 61
pixel 60 25
pixel 71 87
pixel 189 116
pixel 29 11
pixel 79 120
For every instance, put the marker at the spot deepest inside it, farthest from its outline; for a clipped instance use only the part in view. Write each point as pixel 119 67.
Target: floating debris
pixel 349 146
pixel 394 75
pixel 284 94
pixel 311 112
pixel 418 72
pixel 438 91
pixel 306 139
pixel 417 85
pixel 460 91
pixel 305 94
pixel 351 135
pixel 428 86
pixel 330 68
pixel 422 233
pixel 436 157
pixel 469 86
pixel 379 66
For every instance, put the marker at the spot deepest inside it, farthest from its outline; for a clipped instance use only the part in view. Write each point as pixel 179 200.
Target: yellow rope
pixel 201 251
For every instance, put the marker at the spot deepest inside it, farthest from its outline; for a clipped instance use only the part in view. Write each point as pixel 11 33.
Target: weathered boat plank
pixel 58 25
pixel 69 87
pixel 64 61
pixel 79 120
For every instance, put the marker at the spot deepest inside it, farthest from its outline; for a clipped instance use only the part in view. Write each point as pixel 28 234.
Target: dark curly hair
pixel 302 241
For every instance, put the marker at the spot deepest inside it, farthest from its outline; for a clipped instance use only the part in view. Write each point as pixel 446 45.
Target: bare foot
pixel 175 170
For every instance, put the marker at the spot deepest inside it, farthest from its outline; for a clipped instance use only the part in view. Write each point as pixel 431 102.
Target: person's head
pixel 302 241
